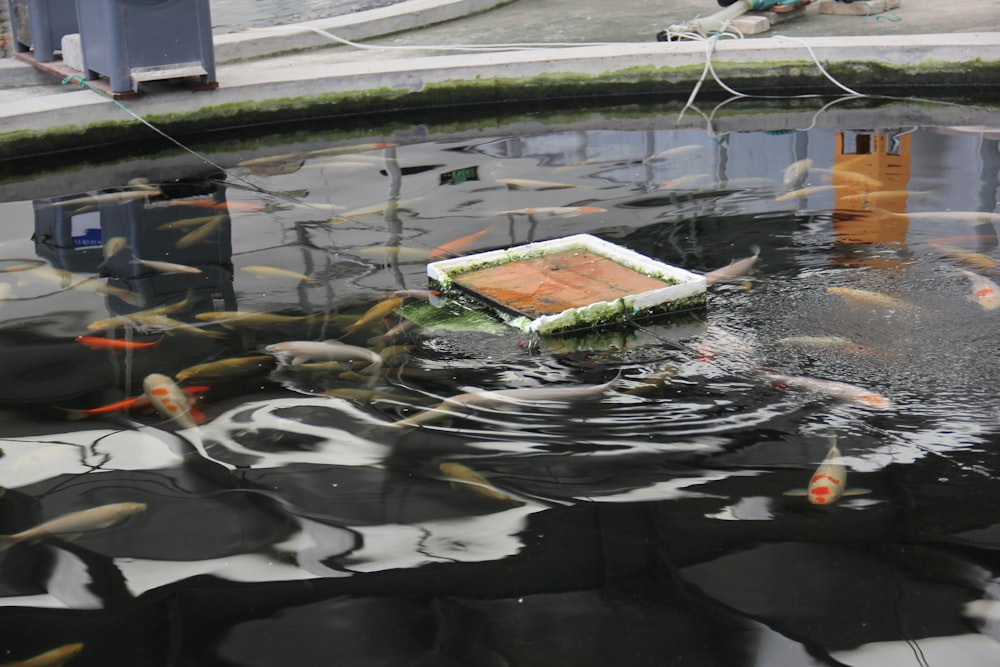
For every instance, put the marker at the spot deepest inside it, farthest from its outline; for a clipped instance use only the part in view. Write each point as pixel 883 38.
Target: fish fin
pixel 755 249
pixel 855 492
pixel 797 492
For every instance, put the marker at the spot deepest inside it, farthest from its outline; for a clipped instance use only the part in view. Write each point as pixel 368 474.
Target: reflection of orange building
pixel 870 175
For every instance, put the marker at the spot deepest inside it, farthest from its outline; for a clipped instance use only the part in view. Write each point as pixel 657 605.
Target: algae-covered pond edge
pixel 479 99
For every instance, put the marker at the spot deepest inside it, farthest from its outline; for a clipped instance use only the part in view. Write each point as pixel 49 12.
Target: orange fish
pixel 453 248
pixel 125 404
pixel 171 401
pixel 101 343
pixel 377 312
pixel 54 658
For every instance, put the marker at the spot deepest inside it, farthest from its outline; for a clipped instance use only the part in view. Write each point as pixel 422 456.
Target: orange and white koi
pixel 171 401
pixel 95 518
pixel 734 269
pixel 556 211
pixel 842 391
pixel 117 344
pixel 56 657
pixel 985 292
pixel 828 483
pixel 457 246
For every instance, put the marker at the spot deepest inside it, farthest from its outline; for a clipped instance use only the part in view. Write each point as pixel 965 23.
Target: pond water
pixel 661 520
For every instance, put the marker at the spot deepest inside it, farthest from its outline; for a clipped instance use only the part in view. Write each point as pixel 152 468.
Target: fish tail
pixel 75 414
pixel 755 249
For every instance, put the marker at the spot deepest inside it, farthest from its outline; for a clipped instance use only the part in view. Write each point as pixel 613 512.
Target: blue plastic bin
pixel 40 25
pixel 132 41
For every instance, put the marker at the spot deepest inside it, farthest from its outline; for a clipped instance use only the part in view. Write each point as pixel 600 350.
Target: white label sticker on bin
pixel 85 230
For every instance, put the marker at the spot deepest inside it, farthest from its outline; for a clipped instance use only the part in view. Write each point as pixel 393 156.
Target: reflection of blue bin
pixel 132 41
pixel 67 234
pixel 41 25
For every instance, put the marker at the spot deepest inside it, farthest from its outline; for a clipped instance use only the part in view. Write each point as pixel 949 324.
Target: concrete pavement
pixel 301 71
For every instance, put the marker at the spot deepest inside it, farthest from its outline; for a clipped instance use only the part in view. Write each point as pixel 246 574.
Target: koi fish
pixel 321 152
pixel 375 313
pixel 107 197
pixel 201 233
pixel 499 397
pixel 734 269
pixel 261 271
pixel 827 485
pixel 186 222
pixel 976 260
pixel 816 341
pixel 113 246
pixel 842 391
pixel 300 351
pixel 869 297
pixel 796 172
pixel 219 367
pixel 219 205
pixel 169 325
pixel 401 253
pixel 95 518
pixel 455 247
pixel 675 152
pixel 54 658
pixel 232 318
pixel 374 209
pixel 809 191
pixel 852 177
pixel 100 343
pixel 556 211
pixel 133 319
pixel 171 401
pixel 528 184
pixel 985 292
pixel 464 476
pixel 415 293
pixel 166 267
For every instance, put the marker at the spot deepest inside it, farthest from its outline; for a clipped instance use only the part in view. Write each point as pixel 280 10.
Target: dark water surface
pixel 651 525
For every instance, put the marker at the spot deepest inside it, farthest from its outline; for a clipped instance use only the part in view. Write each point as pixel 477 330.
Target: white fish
pixel 528 184
pixel 828 483
pixel 734 269
pixel 166 267
pixel 816 341
pixel 796 172
pixel 842 391
pixel 499 397
pixel 985 292
pixel 95 518
pixel 301 351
